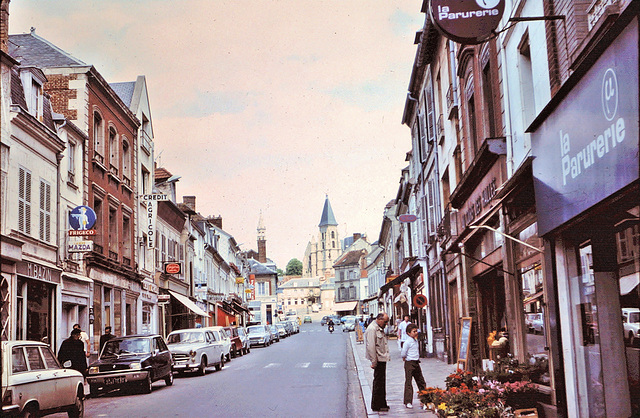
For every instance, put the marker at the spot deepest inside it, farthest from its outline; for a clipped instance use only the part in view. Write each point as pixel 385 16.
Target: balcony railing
pixel 71 177
pixel 98 157
pixel 126 261
pixel 127 181
pixel 97 248
pixel 444 227
pixel 452 101
pixel 113 255
pixel 113 170
pixel 145 142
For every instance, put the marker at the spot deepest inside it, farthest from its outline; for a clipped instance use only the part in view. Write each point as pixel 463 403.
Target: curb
pixel 364 384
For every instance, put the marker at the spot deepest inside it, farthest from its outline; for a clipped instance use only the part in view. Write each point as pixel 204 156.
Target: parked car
pixel 35 384
pixel 236 342
pixel 195 349
pixel 221 334
pixel 631 324
pixel 134 360
pixel 242 332
pixel 307 319
pixel 259 335
pixel 349 325
pixel 288 326
pixel 537 323
pixel 275 334
pixel 347 318
pixel 282 330
pixel 324 320
pixel 295 326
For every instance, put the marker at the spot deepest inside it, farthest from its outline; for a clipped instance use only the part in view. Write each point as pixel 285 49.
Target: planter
pixel 525 400
pixel 526 413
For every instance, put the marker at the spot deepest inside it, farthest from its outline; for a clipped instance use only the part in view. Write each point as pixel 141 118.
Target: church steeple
pixel 262 240
pixel 327 214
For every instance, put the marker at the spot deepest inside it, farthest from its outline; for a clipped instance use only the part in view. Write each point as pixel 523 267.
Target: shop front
pixel 76 303
pixel 586 174
pixel 36 298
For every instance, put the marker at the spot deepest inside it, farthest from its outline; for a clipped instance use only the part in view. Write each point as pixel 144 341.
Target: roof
pixel 162 174
pixel 30 49
pixel 124 91
pixel 327 214
pixel 18 98
pixel 257 267
pixel 349 259
pixel 300 283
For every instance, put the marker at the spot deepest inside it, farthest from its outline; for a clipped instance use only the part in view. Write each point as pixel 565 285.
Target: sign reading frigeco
pixel 152 213
pixel 469 22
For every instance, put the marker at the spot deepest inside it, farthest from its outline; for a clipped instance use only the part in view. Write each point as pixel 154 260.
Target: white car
pixel 222 335
pixel 631 324
pixel 196 349
pixel 34 383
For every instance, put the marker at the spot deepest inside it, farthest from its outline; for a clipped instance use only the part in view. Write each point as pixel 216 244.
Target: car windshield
pixel 126 347
pixel 634 317
pixel 185 337
pixel 257 329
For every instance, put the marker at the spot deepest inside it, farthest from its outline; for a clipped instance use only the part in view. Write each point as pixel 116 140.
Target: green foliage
pixel 294 267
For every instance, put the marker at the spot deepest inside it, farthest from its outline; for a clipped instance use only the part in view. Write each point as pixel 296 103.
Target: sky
pixel 260 106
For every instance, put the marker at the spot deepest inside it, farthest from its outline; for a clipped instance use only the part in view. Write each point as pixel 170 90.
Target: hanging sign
pixel 407 217
pixel 81 220
pixel 420 301
pixel 152 214
pixel 80 247
pixel 468 22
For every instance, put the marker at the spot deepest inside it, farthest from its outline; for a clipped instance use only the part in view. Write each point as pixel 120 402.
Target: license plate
pixel 114 380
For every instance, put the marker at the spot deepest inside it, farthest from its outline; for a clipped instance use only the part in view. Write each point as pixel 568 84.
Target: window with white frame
pixel 35 99
pixel 98 136
pixel 24 201
pixel 71 153
pixel 262 288
pixel 113 149
pixel 126 158
pixel 45 211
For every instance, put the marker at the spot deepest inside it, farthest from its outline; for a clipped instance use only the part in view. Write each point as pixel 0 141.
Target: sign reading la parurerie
pixel 469 22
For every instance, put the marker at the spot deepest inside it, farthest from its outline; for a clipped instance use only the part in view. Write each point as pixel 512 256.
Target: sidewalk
pixel 434 370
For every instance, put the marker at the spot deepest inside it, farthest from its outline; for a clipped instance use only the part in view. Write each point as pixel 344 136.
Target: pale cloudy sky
pixel 259 105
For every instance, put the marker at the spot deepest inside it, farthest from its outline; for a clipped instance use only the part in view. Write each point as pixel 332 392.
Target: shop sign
pixel 82 218
pixel 587 148
pixel 481 200
pixel 216 297
pixel 239 280
pixel 80 247
pixel 152 214
pixel 38 271
pixel 164 298
pixel 469 22
pixel 173 268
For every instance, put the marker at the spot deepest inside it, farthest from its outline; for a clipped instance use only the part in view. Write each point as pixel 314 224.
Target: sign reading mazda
pixel 468 22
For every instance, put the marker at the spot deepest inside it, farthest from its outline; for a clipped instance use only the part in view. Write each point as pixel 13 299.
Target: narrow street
pixel 304 375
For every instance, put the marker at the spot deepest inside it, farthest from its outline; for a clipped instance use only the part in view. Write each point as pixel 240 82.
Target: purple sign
pixel 587 148
pixel 469 22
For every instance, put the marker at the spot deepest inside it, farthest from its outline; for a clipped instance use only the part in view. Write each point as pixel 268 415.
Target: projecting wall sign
pixel 469 22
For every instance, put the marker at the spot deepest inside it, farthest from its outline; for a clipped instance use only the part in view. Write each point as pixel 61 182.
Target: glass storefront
pixel 34 310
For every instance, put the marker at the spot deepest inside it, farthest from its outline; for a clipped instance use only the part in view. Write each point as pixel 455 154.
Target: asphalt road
pixel 310 374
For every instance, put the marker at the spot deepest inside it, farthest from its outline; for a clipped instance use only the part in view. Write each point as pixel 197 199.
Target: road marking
pixel 272 365
pixel 302 365
pixel 329 365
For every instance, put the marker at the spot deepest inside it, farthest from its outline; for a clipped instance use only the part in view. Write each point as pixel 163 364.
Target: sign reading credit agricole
pixel 469 22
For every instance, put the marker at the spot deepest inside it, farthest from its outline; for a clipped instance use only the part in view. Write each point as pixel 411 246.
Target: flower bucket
pixel 526 413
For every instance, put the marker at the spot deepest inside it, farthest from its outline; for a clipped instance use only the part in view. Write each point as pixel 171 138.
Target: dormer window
pixel 35 99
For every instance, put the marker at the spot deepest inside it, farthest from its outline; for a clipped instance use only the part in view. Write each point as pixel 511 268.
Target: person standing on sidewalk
pixel 402 330
pixel 377 351
pixel 411 356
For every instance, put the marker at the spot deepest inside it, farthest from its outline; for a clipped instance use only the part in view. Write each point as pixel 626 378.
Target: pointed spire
pixel 327 214
pixel 261 228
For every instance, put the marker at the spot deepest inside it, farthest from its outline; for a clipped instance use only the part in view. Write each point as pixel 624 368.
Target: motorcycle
pixel 331 328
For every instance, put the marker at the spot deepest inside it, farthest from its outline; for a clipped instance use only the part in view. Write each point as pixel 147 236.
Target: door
pixel 162 357
pixel 66 380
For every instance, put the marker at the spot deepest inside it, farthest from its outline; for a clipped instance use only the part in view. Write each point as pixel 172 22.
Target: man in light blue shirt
pixel 411 356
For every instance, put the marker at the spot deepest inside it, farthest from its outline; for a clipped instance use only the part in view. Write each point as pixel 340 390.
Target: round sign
pixel 420 301
pixel 407 217
pixel 172 268
pixel 82 218
pixel 468 22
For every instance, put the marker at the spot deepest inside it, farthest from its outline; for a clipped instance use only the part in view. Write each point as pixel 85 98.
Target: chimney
pixel 4 25
pixel 356 236
pixel 216 221
pixel 190 201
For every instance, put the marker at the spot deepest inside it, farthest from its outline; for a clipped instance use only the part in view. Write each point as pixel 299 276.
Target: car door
pixel 214 347
pixel 39 383
pixel 163 357
pixel 66 379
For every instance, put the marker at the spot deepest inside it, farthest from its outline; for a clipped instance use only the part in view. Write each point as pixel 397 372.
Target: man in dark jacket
pixel 105 337
pixel 73 349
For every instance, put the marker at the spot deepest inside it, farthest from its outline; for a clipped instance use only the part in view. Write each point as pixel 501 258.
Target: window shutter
pixel 431 203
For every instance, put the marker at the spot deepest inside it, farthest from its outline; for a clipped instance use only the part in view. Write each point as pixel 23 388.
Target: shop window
pixel 45 211
pixel 24 201
pixel 117 312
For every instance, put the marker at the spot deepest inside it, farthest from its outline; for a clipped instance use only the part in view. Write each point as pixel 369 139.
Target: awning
pixel 238 307
pixel 367 300
pixel 188 303
pixel 345 306
pixel 409 273
pixel 628 283
pixel 78 277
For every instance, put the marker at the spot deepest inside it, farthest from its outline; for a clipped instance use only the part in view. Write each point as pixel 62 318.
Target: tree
pixel 294 267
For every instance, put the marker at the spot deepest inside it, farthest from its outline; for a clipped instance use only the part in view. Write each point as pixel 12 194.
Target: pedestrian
pixel 105 337
pixel 72 349
pixel 369 320
pixel 85 340
pixel 411 357
pixel 377 351
pixel 402 330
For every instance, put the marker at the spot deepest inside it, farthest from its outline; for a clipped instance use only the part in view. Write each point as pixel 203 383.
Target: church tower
pixel 262 240
pixel 328 241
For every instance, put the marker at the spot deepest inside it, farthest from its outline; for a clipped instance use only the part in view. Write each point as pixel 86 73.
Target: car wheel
pixel 202 370
pixel 77 410
pixel 30 411
pixel 169 379
pixel 147 385
pixel 220 365
pixel 228 356
pixel 248 349
pixel 240 352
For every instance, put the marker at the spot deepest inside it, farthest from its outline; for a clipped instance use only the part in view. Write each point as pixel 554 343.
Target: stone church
pixel 323 251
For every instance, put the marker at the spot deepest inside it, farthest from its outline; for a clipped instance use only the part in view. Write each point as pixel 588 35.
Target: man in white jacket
pixel 377 350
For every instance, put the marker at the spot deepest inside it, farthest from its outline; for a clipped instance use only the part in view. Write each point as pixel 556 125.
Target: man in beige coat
pixel 377 350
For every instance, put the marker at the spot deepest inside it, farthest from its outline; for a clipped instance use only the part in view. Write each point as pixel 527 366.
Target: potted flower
pixel 521 394
pixel 430 397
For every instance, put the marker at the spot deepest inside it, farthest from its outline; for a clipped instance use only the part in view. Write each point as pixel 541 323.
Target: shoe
pixel 384 409
pixel 409 405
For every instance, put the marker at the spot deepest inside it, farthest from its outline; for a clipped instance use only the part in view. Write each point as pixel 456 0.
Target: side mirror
pixel 67 364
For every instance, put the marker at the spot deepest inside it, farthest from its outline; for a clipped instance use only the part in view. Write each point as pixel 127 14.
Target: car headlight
pixel 135 366
pixel 192 353
pixel 94 370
